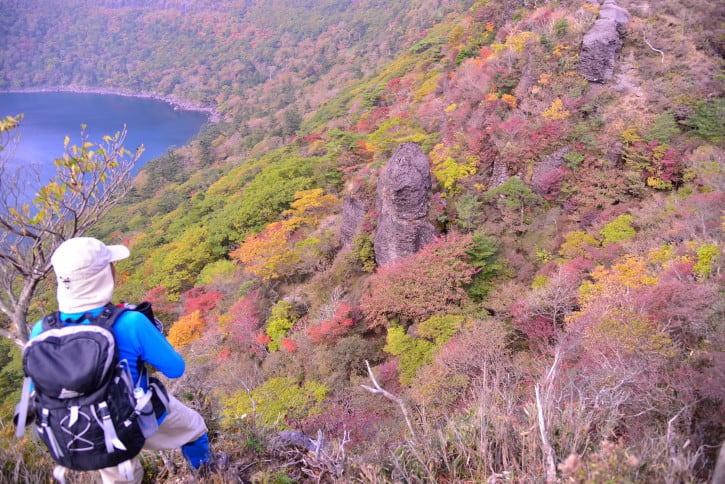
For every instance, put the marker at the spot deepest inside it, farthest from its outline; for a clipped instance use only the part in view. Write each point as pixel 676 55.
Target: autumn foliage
pixel 187 329
pixel 200 299
pixel 242 322
pixel 565 324
pixel 267 254
pixel 422 284
pixel 330 331
pixel 280 248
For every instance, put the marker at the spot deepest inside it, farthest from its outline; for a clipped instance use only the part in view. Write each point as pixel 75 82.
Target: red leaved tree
pixel 199 299
pixel 335 328
pixel 164 309
pixel 420 285
pixel 289 345
pixel 243 321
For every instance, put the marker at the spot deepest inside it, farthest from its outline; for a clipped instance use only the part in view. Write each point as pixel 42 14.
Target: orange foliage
pixel 308 208
pixel 556 111
pixel 264 253
pixel 271 253
pixel 510 100
pixel 619 281
pixel 187 329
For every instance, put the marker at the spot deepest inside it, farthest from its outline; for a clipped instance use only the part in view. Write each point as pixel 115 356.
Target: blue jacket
pixel 136 338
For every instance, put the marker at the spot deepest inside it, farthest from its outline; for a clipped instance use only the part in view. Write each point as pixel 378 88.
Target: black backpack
pixel 83 404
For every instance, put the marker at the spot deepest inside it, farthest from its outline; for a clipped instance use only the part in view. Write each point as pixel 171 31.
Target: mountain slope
pixel 588 345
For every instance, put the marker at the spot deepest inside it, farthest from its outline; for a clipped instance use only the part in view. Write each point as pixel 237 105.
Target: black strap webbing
pixel 106 318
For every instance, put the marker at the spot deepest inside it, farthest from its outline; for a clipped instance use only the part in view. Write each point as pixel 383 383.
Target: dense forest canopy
pixel 255 62
pixel 562 322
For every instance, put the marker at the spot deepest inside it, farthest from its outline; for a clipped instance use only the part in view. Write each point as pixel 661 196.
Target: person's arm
pixel 153 347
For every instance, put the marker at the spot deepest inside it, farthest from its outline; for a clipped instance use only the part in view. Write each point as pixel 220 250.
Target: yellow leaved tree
pixel 89 179
pixel 272 253
pixel 187 329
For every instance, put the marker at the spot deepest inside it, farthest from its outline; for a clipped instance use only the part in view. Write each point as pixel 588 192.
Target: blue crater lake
pixel 48 117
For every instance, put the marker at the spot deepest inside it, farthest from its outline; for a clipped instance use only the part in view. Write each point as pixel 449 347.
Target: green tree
pixel 283 317
pixel 177 265
pixel 707 257
pixel 291 121
pixel 364 251
pixel 412 352
pixel 415 351
pixel 513 197
pixel 709 120
pixel 618 230
pixel 483 257
pixel 470 209
pixel 276 399
pixel 89 179
pixel 11 377
pixel 664 128
pixel 392 133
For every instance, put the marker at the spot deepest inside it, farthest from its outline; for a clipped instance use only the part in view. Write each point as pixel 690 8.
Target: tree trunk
pixel 22 331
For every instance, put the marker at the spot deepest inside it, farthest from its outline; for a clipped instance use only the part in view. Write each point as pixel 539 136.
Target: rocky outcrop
pixel 291 438
pixel 602 43
pixel 499 174
pixel 353 213
pixel 546 169
pixel 404 190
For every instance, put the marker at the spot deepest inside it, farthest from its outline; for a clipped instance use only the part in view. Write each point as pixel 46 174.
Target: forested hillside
pixel 563 322
pixel 262 65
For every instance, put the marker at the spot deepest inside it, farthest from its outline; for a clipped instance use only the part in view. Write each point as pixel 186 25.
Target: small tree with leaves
pixel 430 282
pixel 513 199
pixel 90 179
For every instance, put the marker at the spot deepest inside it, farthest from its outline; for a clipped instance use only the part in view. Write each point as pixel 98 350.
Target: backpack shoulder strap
pixel 108 316
pixel 20 418
pixel 52 321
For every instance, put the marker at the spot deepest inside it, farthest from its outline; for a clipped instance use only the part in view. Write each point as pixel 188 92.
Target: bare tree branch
pixel 90 179
pixel 378 390
pixel 548 450
pixel 7 334
pixel 644 35
pixel 718 474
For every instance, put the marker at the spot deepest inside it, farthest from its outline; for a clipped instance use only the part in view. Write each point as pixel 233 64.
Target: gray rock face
pixel 291 438
pixel 403 201
pixel 353 212
pixel 602 43
pixel 545 167
pixel 611 11
pixel 499 174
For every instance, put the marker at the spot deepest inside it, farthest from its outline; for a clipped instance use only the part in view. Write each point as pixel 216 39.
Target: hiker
pixel 85 274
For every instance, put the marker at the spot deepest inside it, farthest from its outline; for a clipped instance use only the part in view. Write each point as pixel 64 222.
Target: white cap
pixel 82 267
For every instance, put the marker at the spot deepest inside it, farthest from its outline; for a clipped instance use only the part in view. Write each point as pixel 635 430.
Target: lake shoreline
pixel 212 114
